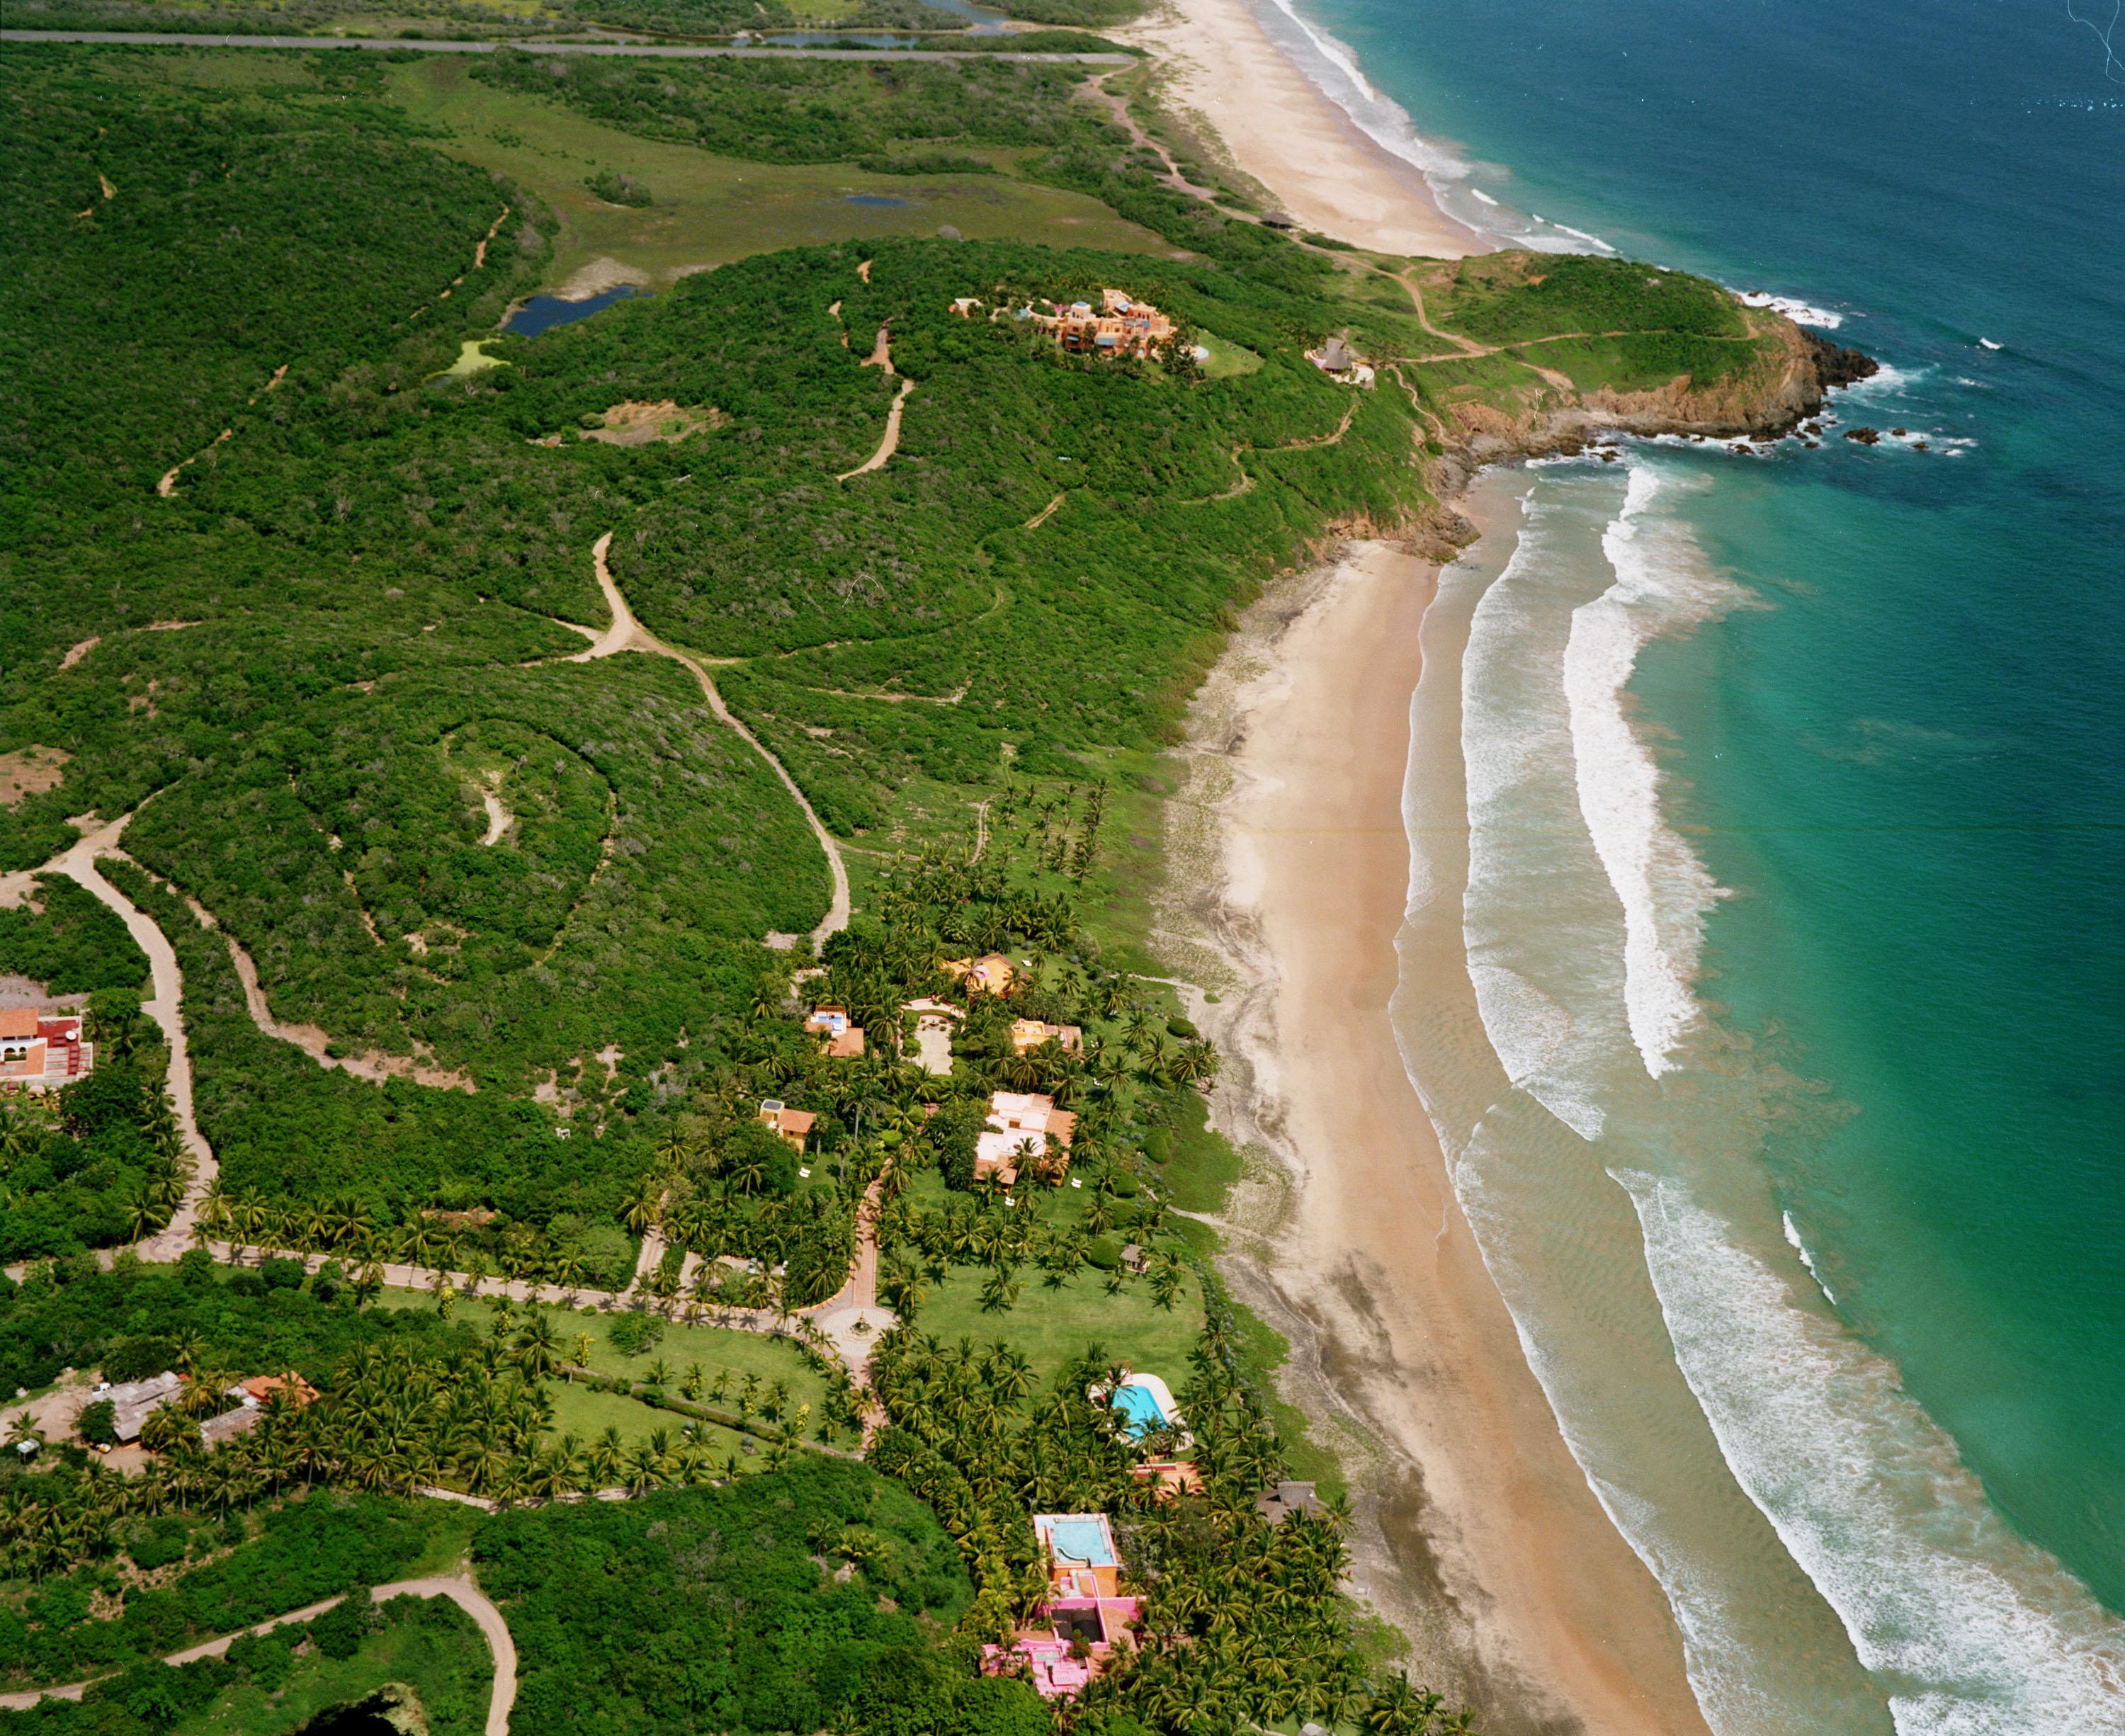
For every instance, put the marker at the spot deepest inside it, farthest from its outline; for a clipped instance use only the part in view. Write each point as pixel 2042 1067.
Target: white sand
pixel 1477 1535
pixel 1282 130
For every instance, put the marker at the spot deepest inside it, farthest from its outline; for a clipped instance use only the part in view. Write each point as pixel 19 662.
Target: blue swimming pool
pixel 1082 1541
pixel 1140 1410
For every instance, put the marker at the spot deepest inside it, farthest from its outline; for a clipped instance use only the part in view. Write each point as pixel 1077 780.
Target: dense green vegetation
pixel 274 1682
pixel 248 1566
pixel 68 942
pixel 100 1162
pixel 766 1606
pixel 1503 298
pixel 136 1321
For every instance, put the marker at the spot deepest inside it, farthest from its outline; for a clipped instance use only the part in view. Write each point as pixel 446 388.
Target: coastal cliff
pixel 1784 390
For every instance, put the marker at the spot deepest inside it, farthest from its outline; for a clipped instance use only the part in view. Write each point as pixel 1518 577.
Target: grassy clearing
pixel 1226 360
pixel 473 359
pixel 1048 1327
pixel 586 1415
pixel 711 209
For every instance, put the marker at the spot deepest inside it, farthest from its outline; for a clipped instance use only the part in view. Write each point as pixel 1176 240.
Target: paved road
pixel 463 1592
pixel 660 51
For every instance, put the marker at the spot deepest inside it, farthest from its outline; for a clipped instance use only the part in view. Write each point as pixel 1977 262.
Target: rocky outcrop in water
pixel 1837 367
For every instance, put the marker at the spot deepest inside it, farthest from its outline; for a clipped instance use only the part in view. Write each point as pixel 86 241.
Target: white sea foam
pixel 1515 738
pixel 1799 312
pixel 1661 586
pixel 1807 1259
pixel 1333 69
pixel 1975 1631
pixel 1986 343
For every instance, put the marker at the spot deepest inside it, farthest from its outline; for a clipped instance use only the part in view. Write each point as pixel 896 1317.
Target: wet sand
pixel 1477 1534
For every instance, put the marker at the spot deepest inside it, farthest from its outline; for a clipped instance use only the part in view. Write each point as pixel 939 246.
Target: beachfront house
pixel 1027 1034
pixel 42 1052
pixel 839 1039
pixel 253 1398
pixel 133 1402
pixel 1278 1504
pixel 1025 1130
pixel 1337 360
pixel 794 1126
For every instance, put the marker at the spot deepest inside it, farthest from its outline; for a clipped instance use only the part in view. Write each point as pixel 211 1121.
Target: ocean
pixel 1788 849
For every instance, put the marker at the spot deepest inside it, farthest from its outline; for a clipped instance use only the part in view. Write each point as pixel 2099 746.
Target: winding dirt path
pixel 1042 517
pixel 891 443
pixel 462 1591
pixel 167 1008
pixel 626 633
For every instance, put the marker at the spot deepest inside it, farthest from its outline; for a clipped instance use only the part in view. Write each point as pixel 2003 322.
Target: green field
pixel 711 209
pixel 1049 1327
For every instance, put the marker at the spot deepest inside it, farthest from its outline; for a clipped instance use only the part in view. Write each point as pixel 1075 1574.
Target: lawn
pixel 715 1347
pixel 1226 360
pixel 709 210
pixel 586 1415
pixel 1049 1327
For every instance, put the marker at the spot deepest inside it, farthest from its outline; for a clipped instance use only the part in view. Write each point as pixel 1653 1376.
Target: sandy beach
pixel 1477 1534
pixel 1223 72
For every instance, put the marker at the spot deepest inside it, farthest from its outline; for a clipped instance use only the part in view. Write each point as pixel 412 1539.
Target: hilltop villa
pixel 1120 326
pixel 1030 1034
pixel 991 974
pixel 41 1052
pixel 1023 1125
pixel 793 1125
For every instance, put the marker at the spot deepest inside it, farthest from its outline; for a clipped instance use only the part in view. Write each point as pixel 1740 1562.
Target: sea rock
pixel 1864 436
pixel 1899 432
pixel 1839 367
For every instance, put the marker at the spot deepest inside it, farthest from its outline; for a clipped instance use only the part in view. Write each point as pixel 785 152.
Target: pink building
pixel 1086 1617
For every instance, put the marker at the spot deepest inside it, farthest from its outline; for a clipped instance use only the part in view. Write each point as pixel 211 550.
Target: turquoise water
pixel 1140 1409
pixel 1860 974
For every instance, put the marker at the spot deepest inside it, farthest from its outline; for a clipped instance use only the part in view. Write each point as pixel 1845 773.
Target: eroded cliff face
pixel 1769 403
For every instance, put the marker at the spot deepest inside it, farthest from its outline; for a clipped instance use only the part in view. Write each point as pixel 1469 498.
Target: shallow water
pixel 1839 733
pixel 542 312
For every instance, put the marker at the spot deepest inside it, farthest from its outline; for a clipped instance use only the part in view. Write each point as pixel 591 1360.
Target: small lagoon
pixel 542 312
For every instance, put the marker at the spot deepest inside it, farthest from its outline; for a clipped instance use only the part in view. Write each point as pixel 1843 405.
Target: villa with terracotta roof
pixel 42 1052
pixel 1030 1034
pixel 793 1125
pixel 1121 326
pixel 1086 1615
pixel 839 1039
pixel 1023 1126
pixel 991 974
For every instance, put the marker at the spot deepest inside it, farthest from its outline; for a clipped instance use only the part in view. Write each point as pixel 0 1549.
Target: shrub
pixel 98 1425
pixel 1104 1252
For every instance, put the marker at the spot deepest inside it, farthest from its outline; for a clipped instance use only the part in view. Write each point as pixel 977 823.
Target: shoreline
pixel 1279 129
pixel 1477 1534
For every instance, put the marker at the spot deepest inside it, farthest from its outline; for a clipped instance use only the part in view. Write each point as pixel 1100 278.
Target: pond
pixel 364 1718
pixel 542 312
pixel 874 199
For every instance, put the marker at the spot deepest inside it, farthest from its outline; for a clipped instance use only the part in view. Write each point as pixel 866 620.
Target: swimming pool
pixel 1081 1540
pixel 1140 1410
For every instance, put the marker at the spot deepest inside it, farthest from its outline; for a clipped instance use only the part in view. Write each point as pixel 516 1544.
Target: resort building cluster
pixel 42 1052
pixel 1119 325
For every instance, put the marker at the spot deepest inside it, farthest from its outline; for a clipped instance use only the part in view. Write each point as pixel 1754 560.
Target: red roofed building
pixel 42 1052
